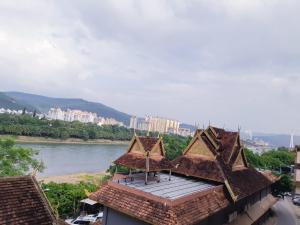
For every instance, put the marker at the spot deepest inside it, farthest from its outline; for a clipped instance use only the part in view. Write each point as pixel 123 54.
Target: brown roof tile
pixel 138 161
pixel 156 210
pixel 22 202
pixel 197 166
pixel 148 142
pixel 243 181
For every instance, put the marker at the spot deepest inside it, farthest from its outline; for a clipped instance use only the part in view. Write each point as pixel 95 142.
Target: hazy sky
pixel 233 62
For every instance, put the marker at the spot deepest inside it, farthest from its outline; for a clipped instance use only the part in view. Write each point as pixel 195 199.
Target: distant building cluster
pixel 158 124
pixel 81 116
pixel 9 111
pixel 20 112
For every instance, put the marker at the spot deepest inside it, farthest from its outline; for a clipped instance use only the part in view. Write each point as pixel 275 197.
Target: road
pixel 285 213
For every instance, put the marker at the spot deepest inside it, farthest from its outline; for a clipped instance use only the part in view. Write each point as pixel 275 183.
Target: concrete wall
pixel 113 217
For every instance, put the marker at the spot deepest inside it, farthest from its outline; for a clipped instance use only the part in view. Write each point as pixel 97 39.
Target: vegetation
pixel 272 159
pixel 31 126
pixel 15 160
pixel 65 198
pixel 285 184
pixel 174 145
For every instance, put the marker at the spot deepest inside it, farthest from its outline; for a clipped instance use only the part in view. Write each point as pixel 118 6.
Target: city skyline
pixel 193 61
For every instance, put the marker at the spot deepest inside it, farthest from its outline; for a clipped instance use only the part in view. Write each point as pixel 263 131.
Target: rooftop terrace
pixel 175 188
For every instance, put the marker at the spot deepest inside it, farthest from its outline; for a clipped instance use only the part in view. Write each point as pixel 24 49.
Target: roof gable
pixel 198 147
pixel 22 202
pixel 240 161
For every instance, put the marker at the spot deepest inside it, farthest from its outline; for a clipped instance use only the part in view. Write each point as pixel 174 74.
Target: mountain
pixel 278 139
pixel 43 104
pixel 8 102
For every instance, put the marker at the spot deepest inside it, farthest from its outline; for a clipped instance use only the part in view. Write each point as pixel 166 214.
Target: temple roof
pixel 22 202
pixel 141 148
pixel 217 155
pixel 154 209
pixel 211 174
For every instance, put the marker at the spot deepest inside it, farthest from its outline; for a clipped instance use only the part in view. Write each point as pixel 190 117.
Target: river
pixel 62 159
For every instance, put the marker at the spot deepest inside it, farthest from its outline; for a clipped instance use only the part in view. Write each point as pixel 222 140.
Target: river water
pixel 62 159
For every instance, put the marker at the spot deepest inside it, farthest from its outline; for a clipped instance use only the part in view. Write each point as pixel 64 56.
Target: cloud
pixel 230 62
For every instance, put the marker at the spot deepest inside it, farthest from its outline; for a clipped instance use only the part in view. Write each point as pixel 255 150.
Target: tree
pixel 285 184
pixel 15 160
pixel 24 111
pixel 65 198
pixel 34 113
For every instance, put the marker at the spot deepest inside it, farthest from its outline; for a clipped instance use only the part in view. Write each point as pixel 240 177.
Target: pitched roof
pixel 197 166
pixel 138 161
pixel 157 210
pixel 241 181
pixel 22 202
pixel 142 148
pixel 148 142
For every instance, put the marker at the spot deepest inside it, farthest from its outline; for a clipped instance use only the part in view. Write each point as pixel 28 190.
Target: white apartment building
pixel 162 125
pixel 133 122
pixel 72 115
pixel 56 114
pixel 155 124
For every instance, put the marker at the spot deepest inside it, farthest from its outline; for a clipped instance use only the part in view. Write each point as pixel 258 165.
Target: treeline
pixel 31 126
pixel 272 160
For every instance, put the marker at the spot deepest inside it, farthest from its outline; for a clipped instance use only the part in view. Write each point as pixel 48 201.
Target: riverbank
pixel 75 178
pixel 46 140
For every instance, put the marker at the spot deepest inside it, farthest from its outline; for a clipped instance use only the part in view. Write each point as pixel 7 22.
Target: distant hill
pixel 43 104
pixel 8 102
pixel 279 139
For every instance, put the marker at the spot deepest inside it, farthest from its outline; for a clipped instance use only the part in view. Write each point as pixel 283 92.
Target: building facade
pixel 297 171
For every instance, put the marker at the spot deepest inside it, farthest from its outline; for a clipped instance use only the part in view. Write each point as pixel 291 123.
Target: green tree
pixel 15 160
pixel 285 184
pixel 65 198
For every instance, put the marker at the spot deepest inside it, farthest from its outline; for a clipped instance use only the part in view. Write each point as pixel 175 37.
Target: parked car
pixel 296 201
pixel 85 220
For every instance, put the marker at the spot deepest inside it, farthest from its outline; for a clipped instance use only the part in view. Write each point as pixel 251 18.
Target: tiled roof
pixel 138 161
pixel 246 182
pixel 23 203
pixel 148 142
pixel 146 147
pixel 198 166
pixel 243 181
pixel 156 210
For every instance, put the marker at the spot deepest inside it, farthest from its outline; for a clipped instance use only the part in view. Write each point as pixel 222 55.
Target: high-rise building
pixel 162 125
pixel 292 142
pixel 133 122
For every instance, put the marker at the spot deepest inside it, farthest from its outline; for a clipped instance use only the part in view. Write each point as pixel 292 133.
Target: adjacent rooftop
pixel 176 187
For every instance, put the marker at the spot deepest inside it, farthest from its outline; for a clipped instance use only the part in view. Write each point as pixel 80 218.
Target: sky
pixel 231 62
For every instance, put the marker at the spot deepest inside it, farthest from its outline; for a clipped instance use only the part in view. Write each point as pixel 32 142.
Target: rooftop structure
pixel 211 183
pixel 145 153
pixel 173 187
pixel 217 155
pixel 23 202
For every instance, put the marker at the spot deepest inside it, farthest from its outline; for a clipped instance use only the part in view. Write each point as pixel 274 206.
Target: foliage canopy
pixel 16 160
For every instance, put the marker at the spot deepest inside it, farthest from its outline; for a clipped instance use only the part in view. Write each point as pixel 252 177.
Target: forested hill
pixel 8 102
pixel 43 104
